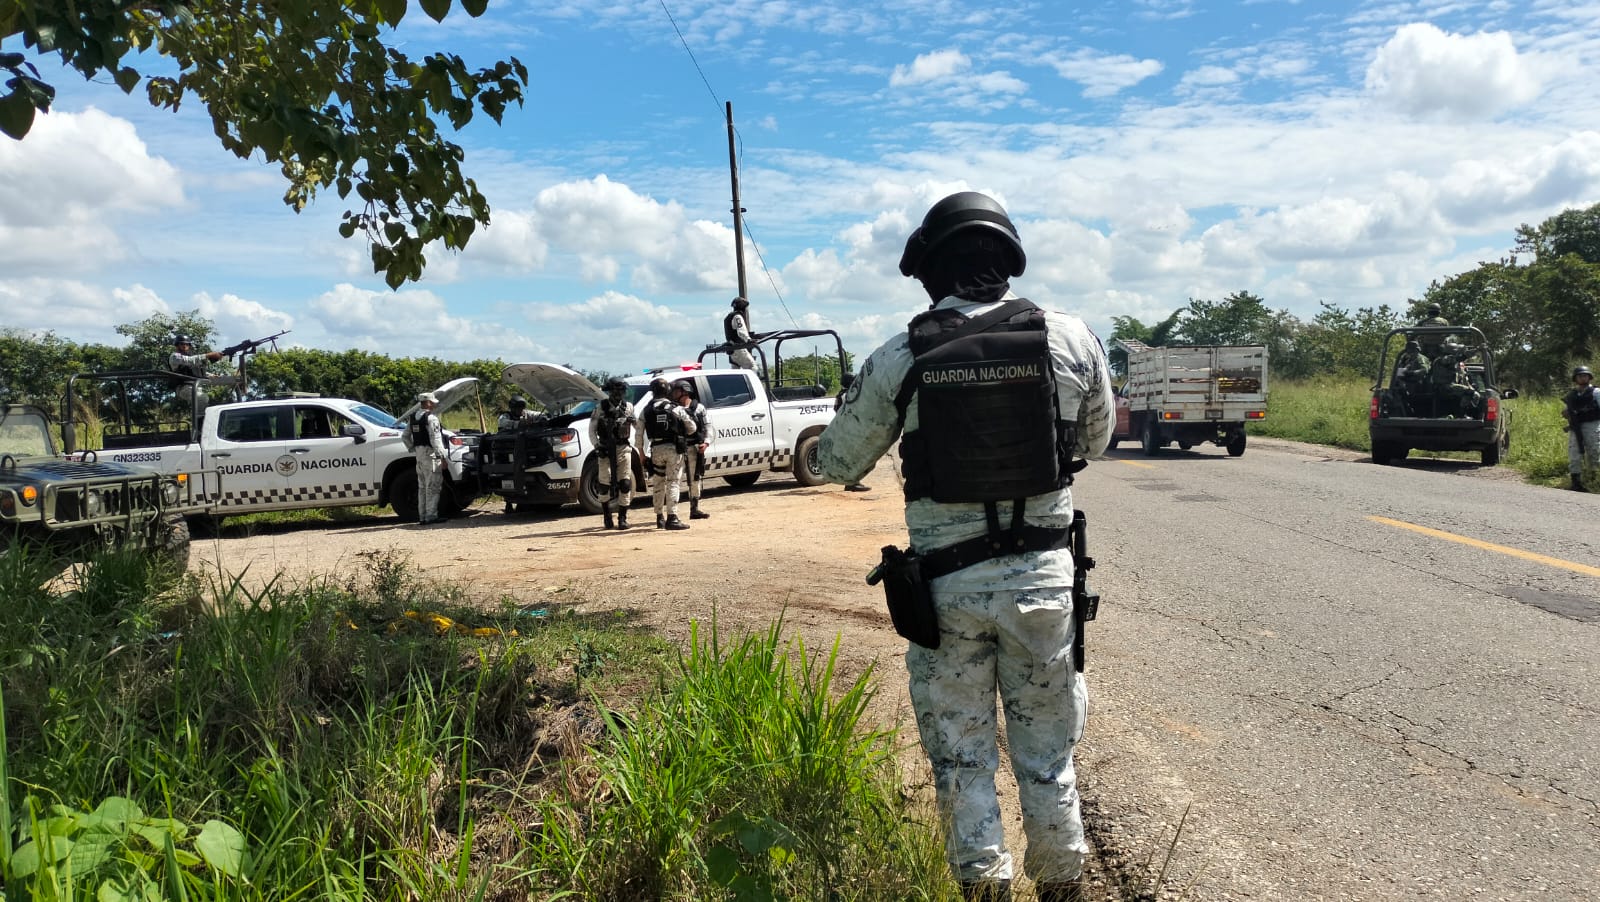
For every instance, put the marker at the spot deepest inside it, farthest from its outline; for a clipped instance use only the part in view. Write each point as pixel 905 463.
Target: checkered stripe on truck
pixel 350 491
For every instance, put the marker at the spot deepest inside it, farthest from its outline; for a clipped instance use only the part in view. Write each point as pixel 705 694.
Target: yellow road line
pixel 1490 546
pixel 1134 463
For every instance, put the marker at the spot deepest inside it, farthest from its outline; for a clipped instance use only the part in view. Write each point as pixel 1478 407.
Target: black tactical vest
pixel 419 430
pixel 616 423
pixel 986 407
pixel 659 423
pixel 728 331
pixel 1584 404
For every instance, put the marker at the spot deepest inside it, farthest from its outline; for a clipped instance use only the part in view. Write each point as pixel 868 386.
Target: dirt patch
pixel 775 550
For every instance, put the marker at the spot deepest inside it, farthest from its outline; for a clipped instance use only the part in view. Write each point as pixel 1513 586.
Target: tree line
pixel 35 367
pixel 1538 307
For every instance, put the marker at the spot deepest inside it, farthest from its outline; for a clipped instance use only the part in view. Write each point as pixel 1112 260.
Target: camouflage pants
pixel 430 480
pixel 694 473
pixel 616 477
pixel 1586 462
pixel 664 484
pixel 1020 643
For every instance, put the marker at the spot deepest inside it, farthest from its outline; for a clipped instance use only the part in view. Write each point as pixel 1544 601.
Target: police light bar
pixel 689 366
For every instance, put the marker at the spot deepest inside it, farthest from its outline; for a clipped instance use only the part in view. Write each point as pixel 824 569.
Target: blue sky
pixel 1150 151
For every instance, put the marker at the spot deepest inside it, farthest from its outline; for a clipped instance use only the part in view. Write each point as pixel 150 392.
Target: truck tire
pixel 173 541
pixel 807 469
pixel 1382 453
pixel 1236 445
pixel 451 504
pixel 589 487
pixel 1150 437
pixel 1491 454
pixel 742 480
pixel 205 526
pixel 403 495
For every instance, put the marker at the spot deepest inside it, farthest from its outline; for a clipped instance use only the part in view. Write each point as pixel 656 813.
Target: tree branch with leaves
pixel 307 84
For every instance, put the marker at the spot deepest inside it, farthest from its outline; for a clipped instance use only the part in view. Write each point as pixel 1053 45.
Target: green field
pixel 1334 412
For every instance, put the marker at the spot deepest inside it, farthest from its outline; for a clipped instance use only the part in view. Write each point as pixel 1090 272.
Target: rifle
pixel 1085 604
pixel 249 346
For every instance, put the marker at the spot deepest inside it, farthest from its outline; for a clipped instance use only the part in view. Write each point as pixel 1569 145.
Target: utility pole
pixel 738 211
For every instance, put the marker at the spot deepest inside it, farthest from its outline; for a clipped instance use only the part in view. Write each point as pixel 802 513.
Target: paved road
pixel 1349 707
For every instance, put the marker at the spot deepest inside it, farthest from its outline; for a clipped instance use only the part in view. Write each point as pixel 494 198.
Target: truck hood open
pixel 449 395
pixel 551 385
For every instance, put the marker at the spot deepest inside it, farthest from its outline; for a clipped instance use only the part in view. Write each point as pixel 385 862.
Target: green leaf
pixel 25 860
pixel 222 846
pixel 117 808
pixel 16 115
pixel 127 79
pixel 113 891
pixel 474 8
pixel 92 851
pixel 436 9
pixel 392 11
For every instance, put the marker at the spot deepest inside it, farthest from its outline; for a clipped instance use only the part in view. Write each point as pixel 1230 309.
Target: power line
pixel 739 137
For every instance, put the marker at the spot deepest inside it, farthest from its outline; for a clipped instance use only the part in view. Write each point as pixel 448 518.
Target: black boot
pixel 610 524
pixel 694 511
pixel 622 519
pixel 674 523
pixel 1577 483
pixel 661 522
pixel 987 891
pixel 1071 891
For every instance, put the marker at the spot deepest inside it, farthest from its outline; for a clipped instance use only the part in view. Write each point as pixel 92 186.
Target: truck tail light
pixel 1491 411
pixel 1172 414
pixel 1255 414
pixel 1372 410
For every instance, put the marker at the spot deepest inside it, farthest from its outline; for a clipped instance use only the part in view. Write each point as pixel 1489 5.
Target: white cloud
pixel 238 319
pixel 412 322
pixel 1103 74
pixel 929 67
pixel 1208 77
pixel 65 187
pixel 74 309
pixel 1424 71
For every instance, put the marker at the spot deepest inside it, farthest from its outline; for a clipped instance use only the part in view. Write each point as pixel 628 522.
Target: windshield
pixel 374 415
pixel 25 435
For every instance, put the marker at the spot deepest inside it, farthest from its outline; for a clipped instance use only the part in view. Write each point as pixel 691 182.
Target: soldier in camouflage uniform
pixel 694 460
pixel 667 426
pixel 1581 409
pixel 1005 622
pixel 611 432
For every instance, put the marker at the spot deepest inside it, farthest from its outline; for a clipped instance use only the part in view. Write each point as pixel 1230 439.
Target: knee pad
pixel 625 485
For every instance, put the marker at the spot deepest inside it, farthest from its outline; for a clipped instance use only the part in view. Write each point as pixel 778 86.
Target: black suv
pixel 1440 395
pixel 71 508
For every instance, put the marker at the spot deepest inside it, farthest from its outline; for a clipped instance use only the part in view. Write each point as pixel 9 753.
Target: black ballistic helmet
pixel 1434 310
pixel 740 304
pixel 683 385
pixel 615 384
pixel 181 339
pixel 1582 371
pixel 962 212
pixel 659 387
pixel 518 402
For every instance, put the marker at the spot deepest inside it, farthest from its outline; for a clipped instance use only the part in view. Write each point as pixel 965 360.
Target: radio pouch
pixel 909 596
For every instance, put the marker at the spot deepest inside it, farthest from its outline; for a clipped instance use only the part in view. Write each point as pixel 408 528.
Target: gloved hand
pixel 649 467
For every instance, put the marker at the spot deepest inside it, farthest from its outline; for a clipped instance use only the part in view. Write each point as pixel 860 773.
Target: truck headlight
pixel 92 504
pixel 29 495
pixel 169 493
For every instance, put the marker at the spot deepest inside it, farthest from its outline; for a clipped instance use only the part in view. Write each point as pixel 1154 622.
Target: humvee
pixel 70 508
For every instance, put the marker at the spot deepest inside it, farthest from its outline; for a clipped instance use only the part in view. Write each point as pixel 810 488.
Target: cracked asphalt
pixel 1335 707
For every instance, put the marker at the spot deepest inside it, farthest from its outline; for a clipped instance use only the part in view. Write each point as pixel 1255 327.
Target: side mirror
pixel 355 431
pixel 1507 394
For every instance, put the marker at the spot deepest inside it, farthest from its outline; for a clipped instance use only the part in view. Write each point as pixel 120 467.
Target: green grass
pixel 379 736
pixel 1334 412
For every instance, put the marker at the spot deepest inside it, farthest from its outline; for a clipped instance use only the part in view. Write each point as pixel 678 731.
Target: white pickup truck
pixel 1190 395
pixel 756 428
pixel 276 454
